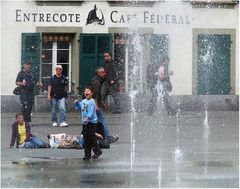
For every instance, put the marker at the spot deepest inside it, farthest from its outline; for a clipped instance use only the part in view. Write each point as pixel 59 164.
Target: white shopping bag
pixel 56 139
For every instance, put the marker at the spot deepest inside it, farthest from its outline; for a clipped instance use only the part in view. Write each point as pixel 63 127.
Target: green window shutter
pixel 31 52
pixel 213 66
pixel 87 59
pixel 92 47
pixel 104 43
pixel 158 47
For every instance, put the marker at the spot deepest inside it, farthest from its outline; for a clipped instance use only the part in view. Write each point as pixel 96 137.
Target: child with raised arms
pixel 89 122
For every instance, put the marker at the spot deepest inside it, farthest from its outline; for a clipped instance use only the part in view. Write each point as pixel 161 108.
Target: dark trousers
pixel 90 140
pixel 153 101
pixel 152 105
pixel 107 89
pixel 27 100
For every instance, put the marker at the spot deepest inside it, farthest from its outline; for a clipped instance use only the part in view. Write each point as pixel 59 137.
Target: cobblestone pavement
pixel 192 149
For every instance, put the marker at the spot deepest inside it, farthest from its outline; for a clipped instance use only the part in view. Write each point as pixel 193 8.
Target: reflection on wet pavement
pixel 64 172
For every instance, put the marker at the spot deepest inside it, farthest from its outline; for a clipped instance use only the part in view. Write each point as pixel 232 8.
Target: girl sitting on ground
pixel 21 134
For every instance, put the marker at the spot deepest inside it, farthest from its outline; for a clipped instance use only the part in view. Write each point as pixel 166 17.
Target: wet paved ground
pixel 194 149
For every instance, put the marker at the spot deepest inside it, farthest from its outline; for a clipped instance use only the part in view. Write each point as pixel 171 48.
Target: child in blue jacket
pixel 89 121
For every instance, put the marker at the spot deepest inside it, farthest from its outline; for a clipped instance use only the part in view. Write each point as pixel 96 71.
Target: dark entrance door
pixel 92 47
pixel 213 64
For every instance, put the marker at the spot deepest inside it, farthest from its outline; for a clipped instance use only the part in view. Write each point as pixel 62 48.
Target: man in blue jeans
pixel 96 84
pixel 57 93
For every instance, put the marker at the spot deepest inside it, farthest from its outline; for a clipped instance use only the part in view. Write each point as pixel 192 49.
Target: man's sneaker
pixel 95 156
pixel 54 124
pixel 47 146
pixel 87 159
pixel 112 139
pixel 63 124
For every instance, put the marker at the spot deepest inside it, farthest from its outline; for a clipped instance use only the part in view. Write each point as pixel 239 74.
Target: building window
pixel 56 50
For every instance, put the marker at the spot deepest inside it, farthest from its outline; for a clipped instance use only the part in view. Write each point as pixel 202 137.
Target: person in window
pixel 21 134
pixel 110 86
pixel 57 94
pixel 27 81
pixel 164 77
pixel 160 86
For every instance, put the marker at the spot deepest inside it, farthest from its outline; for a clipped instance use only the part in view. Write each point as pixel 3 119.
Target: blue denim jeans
pixel 101 118
pixel 35 143
pixel 81 140
pixel 62 109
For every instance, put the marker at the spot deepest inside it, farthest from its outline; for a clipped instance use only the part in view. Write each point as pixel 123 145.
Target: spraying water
pixel 160 93
pixel 160 174
pixel 134 64
pixel 207 59
pixel 132 129
pixel 177 152
pixel 206 136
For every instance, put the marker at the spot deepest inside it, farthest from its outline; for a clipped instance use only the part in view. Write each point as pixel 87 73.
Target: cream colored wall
pixel 94 27
pixel 237 68
pixel 180 36
pixel 220 21
pixel 229 1
pixel 180 49
pixel 11 43
pixel 237 51
pixel 180 53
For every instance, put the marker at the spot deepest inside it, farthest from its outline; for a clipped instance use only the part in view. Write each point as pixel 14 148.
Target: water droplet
pixel 52 180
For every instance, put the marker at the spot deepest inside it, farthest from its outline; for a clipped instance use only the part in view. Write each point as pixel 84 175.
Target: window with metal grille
pixel 56 50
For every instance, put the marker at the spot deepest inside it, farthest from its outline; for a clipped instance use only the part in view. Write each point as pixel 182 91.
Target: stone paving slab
pixel 153 151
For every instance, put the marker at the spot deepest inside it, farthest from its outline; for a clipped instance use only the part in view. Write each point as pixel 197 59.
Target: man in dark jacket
pixel 159 85
pixel 96 84
pixel 110 85
pixel 27 81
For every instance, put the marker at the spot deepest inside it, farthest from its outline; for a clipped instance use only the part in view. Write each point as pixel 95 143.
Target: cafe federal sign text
pixel 97 16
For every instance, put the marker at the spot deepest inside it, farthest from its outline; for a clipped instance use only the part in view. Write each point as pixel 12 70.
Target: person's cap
pixel 59 66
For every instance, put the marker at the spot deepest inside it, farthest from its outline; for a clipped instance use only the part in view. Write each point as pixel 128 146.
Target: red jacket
pixel 15 134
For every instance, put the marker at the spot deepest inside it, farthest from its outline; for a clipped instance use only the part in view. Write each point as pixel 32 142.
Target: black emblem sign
pixel 95 15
